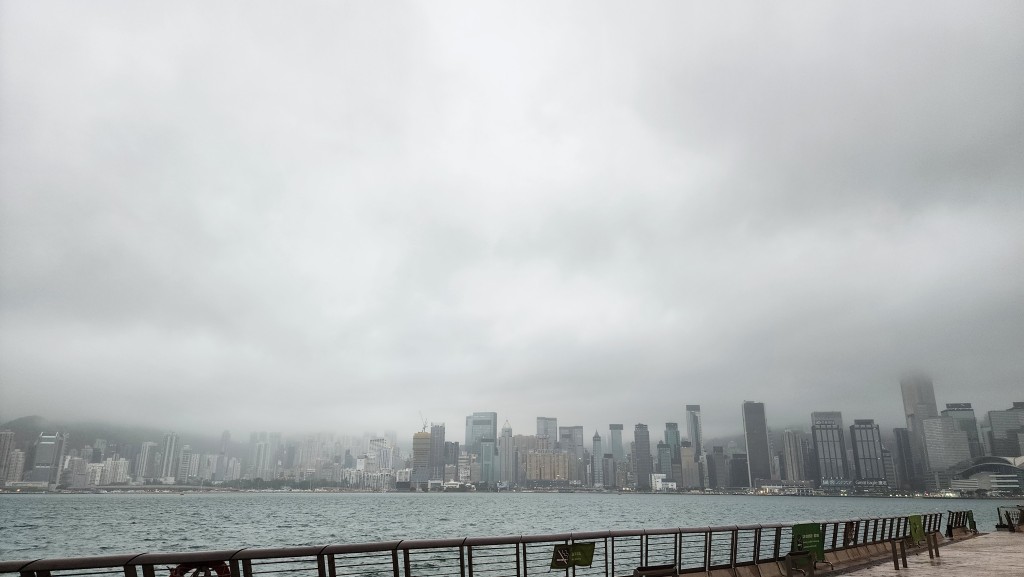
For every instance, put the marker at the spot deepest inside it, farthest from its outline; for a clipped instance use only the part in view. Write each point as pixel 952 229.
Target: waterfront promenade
pixel 999 554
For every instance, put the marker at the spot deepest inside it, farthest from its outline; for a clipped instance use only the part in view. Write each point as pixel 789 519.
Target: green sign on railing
pixel 577 554
pixel 916 528
pixel 807 537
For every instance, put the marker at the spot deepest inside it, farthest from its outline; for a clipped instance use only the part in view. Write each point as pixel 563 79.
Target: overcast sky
pixel 335 216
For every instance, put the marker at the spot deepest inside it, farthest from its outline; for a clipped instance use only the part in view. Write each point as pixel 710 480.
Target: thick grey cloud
pixel 335 216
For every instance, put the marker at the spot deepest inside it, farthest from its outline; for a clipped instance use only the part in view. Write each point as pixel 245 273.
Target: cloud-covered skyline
pixel 335 216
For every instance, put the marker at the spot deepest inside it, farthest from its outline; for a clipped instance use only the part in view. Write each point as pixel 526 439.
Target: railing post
pixel 394 562
pixel 332 567
pixel 464 553
pixel 757 545
pixel 707 550
pixel 406 563
pixel 677 553
pixel 321 566
pixel 246 568
pixel 778 544
pixel 606 573
pixel 734 538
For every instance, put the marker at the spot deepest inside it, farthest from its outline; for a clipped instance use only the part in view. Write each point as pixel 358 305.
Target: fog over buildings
pixel 257 216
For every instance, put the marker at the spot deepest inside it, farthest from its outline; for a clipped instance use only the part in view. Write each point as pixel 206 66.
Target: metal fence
pixel 616 553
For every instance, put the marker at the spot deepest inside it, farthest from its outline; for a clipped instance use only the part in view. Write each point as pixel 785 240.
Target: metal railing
pixel 616 553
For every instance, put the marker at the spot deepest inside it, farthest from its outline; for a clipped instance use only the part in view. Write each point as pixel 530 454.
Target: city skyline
pixel 341 215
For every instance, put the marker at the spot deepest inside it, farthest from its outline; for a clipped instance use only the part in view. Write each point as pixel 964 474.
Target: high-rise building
pixel 694 428
pixel 642 460
pixel 146 462
pixel 755 433
pixel 1005 431
pixel 437 443
pixel 6 447
pixel 689 469
pixel 547 428
pixel 181 476
pixel 672 437
pixel 866 439
pixel 507 466
pixel 918 405
pixel 171 453
pixel 945 443
pixel 963 414
pixel 792 456
pixel 488 461
pixel 618 452
pixel 717 468
pixel 480 426
pixel 15 466
pixel 903 459
pixel 663 463
pixel 421 442
pixel 830 448
pixel 597 452
pixel 570 441
pixel 49 458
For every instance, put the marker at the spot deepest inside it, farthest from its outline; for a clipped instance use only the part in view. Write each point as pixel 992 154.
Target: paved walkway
pixel 998 554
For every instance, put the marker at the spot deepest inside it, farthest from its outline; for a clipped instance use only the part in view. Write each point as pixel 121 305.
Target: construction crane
pixel 424 429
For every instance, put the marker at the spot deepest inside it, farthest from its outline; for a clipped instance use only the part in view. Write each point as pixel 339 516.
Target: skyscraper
pixel 421 442
pixel 437 451
pixel 830 448
pixel 694 428
pixel 570 441
pixel 506 456
pixel 918 405
pixel 945 443
pixel 597 454
pixel 1005 431
pixel 6 446
pixel 755 434
pixel 672 437
pixel 642 457
pixel 547 428
pixel 963 414
pixel 171 452
pixel 480 426
pixel 903 459
pixel 49 458
pixel 866 439
pixel 618 453
pixel 792 456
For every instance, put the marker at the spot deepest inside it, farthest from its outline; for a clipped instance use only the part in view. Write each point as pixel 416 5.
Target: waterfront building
pixel 479 426
pixel 830 448
pixel 146 461
pixel 690 470
pixel 75 474
pixel 608 473
pixel 547 468
pixel 739 470
pixel 918 405
pixel 171 452
pixel 421 471
pixel 889 465
pixel 507 466
pixel 717 468
pixel 963 415
pixel 664 461
pixel 15 466
pixel 755 434
pixel 792 456
pixel 6 448
pixel 488 462
pixel 615 435
pixel 672 437
pixel 451 453
pixel 597 455
pixel 642 461
pixel 1005 431
pixel 866 438
pixel 903 459
pixel 184 472
pixel 695 434
pixel 547 428
pixel 437 457
pixel 945 443
pixel 48 459
pixel 570 441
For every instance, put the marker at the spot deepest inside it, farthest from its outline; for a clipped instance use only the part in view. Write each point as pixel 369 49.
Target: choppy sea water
pixel 67 525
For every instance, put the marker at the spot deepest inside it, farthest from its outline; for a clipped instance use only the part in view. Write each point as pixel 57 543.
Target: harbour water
pixel 65 525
